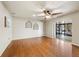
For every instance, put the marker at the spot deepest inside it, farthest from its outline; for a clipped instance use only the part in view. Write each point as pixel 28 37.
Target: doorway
pixel 64 31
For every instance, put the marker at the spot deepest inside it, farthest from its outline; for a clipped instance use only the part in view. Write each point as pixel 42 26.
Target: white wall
pixel 20 32
pixel 74 18
pixel 48 29
pixel 5 33
pixel 75 27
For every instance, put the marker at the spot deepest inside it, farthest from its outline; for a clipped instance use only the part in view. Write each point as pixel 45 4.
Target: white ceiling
pixel 28 8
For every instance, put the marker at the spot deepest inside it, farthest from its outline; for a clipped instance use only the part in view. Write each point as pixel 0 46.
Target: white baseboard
pixel 25 38
pixel 75 44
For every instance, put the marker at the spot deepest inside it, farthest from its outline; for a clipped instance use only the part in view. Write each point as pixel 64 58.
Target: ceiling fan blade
pixel 41 14
pixel 57 13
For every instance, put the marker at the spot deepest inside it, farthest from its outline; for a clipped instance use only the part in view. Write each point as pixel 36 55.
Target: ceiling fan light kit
pixel 48 17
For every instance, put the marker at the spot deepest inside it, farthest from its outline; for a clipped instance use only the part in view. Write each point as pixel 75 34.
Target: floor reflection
pixel 65 38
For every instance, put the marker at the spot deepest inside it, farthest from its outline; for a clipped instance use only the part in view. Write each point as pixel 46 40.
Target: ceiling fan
pixel 48 13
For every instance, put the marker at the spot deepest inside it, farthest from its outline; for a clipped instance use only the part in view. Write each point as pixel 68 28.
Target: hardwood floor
pixel 38 47
pixel 75 51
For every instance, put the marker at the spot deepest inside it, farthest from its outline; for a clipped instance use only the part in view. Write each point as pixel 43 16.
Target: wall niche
pixel 35 26
pixel 28 24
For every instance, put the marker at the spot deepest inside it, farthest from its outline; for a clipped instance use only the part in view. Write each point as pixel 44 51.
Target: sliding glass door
pixel 63 29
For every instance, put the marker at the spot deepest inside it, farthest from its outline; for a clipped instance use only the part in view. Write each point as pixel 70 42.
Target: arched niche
pixel 35 26
pixel 28 24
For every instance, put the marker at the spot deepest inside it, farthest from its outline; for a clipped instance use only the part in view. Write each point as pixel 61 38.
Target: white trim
pixel 75 44
pixel 26 38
